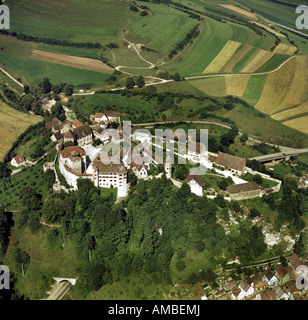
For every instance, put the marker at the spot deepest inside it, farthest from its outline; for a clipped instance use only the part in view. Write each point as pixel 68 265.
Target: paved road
pixel 59 290
pixel 280 155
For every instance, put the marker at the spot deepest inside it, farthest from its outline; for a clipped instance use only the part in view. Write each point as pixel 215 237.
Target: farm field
pixel 73 61
pixel 12 124
pixel 236 9
pixel 69 20
pixel 171 25
pixel 204 64
pixel 273 93
pixel 16 59
pixel 276 11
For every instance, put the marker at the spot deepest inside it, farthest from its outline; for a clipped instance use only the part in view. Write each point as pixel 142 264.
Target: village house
pixel 243 191
pixel 269 277
pixel 18 161
pixel 98 117
pixel 139 165
pixel 196 184
pixel 291 289
pixel 295 261
pixel 51 124
pixel 100 133
pixel 56 137
pixel 246 289
pixel 268 294
pixel 283 273
pixel 83 135
pixel 107 117
pixel 235 293
pixel 257 282
pixel 113 116
pixel 69 136
pixel 76 124
pixel 232 163
pixel 140 171
pixel 280 293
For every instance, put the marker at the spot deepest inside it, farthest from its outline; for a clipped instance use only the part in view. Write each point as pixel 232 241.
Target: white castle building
pixel 74 164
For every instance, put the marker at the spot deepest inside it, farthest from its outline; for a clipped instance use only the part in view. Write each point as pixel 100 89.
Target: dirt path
pixel 7 74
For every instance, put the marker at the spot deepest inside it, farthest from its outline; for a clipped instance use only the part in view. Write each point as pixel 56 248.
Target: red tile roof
pixel 77 124
pixel 65 153
pixel 230 162
pixel 19 158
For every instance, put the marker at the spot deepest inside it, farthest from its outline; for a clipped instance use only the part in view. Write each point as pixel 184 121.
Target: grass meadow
pixel 12 124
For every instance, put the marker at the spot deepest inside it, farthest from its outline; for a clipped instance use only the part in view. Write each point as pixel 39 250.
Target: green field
pixel 69 20
pixel 213 37
pixel 15 59
pixel 278 12
pixel 171 26
pixel 254 88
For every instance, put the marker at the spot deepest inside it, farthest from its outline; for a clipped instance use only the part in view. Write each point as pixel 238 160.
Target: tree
pixel 90 244
pixel 26 89
pixel 4 171
pixel 140 82
pixel 130 83
pixel 68 90
pixel 56 88
pixel 176 77
pixel 45 86
pixel 258 179
pixel 30 199
pixel 22 259
pixel 244 137
pixel 223 184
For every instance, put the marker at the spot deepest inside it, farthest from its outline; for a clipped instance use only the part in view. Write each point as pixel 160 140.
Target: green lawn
pixel 74 20
pixel 274 62
pixel 15 58
pixel 283 14
pixel 254 88
pixel 162 30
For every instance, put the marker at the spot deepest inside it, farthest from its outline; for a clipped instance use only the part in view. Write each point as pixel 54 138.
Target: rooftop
pixel 230 162
pixel 243 187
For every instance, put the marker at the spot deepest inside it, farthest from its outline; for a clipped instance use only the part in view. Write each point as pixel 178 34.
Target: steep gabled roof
pixel 108 168
pixel 19 158
pixel 82 131
pixel 230 162
pixel 77 124
pixel 69 135
pixel 295 261
pixel 243 187
pixel 54 122
pixel 65 153
pixel 196 178
pixel 111 114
